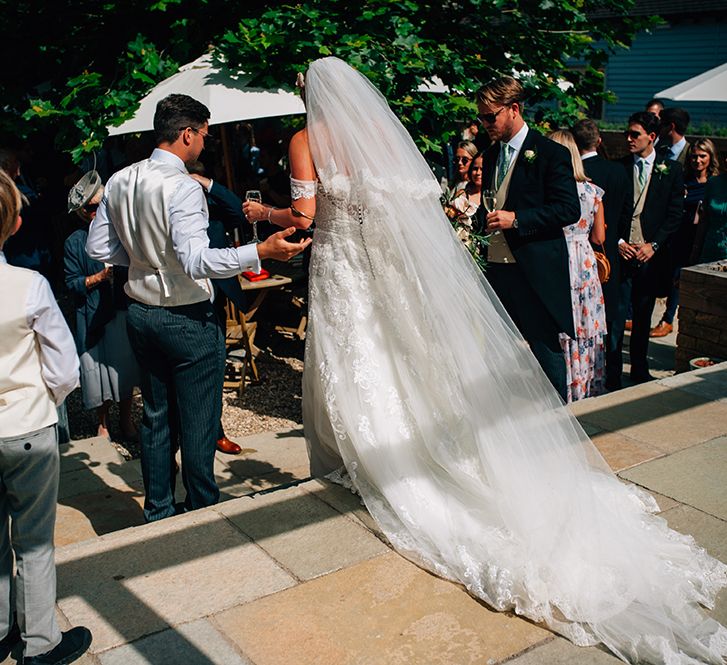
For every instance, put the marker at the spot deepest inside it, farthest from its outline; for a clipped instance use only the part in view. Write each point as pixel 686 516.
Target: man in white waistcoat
pixel 153 218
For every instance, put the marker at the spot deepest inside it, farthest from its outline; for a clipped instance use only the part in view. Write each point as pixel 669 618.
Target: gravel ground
pixel 273 404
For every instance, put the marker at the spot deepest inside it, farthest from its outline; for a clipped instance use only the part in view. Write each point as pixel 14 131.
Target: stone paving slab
pixel 304 534
pixel 92 452
pixel 709 383
pixel 666 418
pixel 382 611
pixel 195 643
pixel 345 502
pixel 695 476
pixel 125 475
pixel 141 581
pixel 621 452
pixel 559 651
pixel 86 516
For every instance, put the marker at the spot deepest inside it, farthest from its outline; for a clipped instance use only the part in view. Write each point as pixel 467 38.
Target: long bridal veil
pixel 457 443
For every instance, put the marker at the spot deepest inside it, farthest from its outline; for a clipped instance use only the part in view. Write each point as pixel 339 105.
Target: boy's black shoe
pixel 72 646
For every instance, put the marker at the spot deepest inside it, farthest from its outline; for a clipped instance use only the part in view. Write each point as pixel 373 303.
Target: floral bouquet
pixel 461 211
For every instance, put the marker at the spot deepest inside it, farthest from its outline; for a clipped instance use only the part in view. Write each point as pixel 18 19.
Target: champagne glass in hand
pixel 254 195
pixel 489 200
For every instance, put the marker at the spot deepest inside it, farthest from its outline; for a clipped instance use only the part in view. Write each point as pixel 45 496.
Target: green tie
pixel 503 163
pixel 642 173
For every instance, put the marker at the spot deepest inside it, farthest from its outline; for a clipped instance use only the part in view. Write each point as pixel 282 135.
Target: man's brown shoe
pixel 224 445
pixel 662 330
pixel 627 325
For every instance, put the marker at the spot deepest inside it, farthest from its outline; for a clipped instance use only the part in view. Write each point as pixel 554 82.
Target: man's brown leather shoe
pixel 224 445
pixel 662 330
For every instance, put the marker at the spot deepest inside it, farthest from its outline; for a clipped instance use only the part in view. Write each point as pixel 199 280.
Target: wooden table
pixel 262 288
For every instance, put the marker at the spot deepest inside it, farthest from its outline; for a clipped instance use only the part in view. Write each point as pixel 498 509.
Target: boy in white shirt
pixel 38 368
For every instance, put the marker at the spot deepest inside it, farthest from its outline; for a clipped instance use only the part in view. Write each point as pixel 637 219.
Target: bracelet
pixel 270 212
pixel 298 213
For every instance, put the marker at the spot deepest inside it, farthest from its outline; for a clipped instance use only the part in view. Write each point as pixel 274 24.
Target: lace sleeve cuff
pixel 302 189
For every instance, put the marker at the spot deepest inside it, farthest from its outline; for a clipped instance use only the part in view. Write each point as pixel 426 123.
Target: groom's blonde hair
pixel 502 91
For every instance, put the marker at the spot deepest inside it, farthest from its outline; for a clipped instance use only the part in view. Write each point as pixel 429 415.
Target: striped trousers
pixel 181 353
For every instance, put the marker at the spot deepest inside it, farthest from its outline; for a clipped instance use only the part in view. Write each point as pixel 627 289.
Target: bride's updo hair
pixel 300 84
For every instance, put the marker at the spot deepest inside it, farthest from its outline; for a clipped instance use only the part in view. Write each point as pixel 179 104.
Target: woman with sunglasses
pixel 109 370
pixel 702 164
pixel 464 154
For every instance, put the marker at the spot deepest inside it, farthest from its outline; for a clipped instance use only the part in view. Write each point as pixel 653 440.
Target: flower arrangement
pixel 662 168
pixel 460 211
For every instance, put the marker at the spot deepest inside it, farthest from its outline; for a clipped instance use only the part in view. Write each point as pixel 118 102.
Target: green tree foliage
pixel 89 67
pixel 402 44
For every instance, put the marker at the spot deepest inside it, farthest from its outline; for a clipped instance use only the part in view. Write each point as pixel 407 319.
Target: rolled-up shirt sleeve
pixel 103 243
pixel 188 223
pixel 59 363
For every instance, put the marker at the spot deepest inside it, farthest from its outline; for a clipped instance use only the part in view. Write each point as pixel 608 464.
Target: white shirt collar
pixel 588 155
pixel 677 148
pixel 649 160
pixel 167 157
pixel 516 142
pixel 2 257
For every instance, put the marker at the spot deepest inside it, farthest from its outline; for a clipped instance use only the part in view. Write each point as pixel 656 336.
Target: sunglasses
pixel 463 160
pixel 91 207
pixel 631 134
pixel 489 118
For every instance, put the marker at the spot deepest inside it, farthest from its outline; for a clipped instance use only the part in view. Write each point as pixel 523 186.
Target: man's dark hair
pixel 586 134
pixel 175 113
pixel 647 120
pixel 679 117
pixel 654 102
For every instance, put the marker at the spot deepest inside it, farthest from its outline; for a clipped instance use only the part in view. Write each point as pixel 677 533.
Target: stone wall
pixel 702 314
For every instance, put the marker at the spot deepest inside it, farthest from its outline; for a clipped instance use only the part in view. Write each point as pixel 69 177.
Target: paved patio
pixel 288 569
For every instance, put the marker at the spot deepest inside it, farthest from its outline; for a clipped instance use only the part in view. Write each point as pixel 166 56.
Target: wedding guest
pixel 225 216
pixel 537 196
pixel 673 124
pixel 109 371
pixel 173 329
pixel 702 164
pixel 618 207
pixel 585 355
pixel 461 209
pixel 38 368
pixel 463 156
pixel 658 194
pixel 654 106
pixel 712 244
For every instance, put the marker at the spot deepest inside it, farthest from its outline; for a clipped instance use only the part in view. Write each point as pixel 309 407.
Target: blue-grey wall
pixel 662 58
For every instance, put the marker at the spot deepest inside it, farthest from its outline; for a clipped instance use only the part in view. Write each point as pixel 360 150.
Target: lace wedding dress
pixel 416 379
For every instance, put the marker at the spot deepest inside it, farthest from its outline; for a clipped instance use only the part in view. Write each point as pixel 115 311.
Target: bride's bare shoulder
pixel 301 161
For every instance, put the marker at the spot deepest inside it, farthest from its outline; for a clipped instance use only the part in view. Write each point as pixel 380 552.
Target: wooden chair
pixel 241 349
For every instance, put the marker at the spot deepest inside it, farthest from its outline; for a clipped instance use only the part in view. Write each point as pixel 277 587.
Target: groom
pixel 527 258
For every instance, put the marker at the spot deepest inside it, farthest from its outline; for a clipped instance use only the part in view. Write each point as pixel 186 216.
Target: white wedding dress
pixel 416 378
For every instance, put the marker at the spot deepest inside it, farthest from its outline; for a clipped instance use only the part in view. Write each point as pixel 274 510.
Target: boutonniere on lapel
pixel 530 156
pixel 662 169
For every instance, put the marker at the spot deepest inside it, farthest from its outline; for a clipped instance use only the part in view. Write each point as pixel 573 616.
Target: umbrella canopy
pixel 711 86
pixel 222 92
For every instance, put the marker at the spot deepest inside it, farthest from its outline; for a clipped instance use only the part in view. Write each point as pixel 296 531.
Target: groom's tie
pixel 503 163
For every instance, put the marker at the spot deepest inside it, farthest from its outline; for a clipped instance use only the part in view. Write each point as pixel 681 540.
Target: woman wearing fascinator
pixel 419 384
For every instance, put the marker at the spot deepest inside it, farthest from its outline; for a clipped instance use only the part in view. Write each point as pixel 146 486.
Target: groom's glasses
pixel 489 118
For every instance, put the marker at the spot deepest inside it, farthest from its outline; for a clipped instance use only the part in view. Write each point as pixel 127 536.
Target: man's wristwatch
pixel 654 246
pixel 514 223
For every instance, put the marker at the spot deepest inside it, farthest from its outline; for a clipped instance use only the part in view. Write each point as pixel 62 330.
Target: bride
pixel 419 383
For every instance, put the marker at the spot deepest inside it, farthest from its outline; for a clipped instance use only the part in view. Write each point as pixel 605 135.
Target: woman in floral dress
pixel 585 356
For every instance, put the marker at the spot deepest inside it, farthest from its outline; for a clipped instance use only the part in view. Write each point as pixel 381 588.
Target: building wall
pixel 662 58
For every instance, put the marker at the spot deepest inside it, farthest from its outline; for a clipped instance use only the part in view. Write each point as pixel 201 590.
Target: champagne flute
pixel 489 200
pixel 254 195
